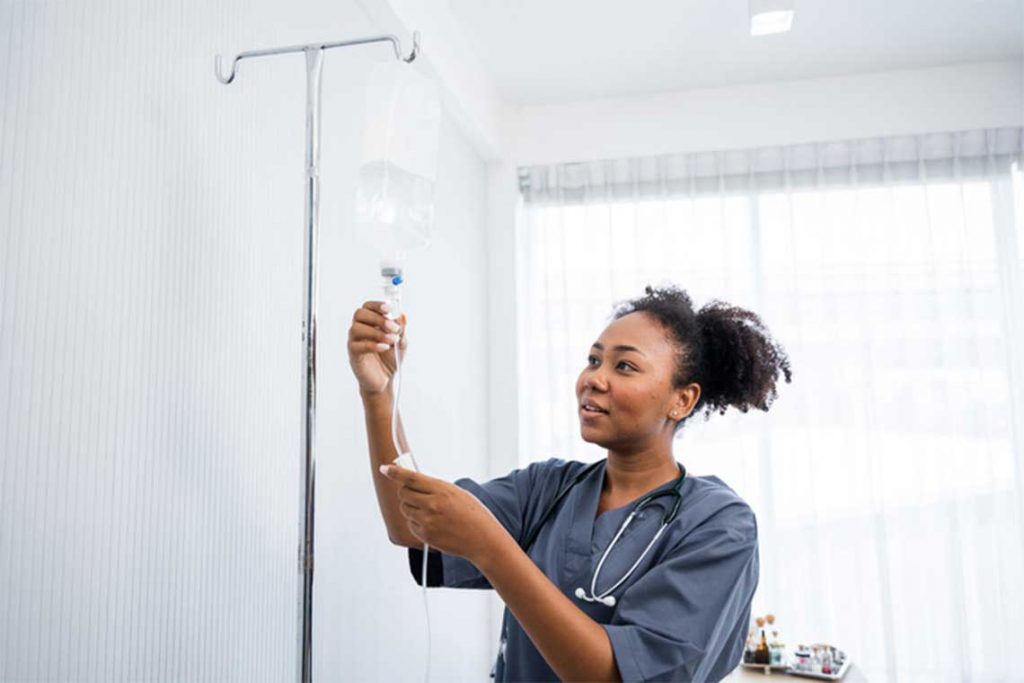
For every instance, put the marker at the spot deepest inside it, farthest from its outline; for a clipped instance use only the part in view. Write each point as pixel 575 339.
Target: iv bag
pixel 395 195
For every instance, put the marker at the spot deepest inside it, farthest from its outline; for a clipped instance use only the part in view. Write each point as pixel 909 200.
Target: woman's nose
pixel 595 381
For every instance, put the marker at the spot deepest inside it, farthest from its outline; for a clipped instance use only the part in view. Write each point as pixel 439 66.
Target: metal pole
pixel 307 478
pixel 307 482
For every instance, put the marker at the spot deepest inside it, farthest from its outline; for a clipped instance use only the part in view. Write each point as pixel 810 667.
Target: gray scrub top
pixel 683 613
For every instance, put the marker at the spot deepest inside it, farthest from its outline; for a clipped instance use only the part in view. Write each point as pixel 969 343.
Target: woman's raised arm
pixel 371 343
pixel 382 452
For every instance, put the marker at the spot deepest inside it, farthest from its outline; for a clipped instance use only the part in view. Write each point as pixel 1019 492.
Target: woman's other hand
pixel 443 515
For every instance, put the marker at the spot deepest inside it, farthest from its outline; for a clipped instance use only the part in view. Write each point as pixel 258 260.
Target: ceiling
pixel 544 51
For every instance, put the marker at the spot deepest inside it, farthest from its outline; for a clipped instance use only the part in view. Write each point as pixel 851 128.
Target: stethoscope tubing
pixel 606 596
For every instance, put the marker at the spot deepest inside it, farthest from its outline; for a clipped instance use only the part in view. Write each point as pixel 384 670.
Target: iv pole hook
pixel 395 45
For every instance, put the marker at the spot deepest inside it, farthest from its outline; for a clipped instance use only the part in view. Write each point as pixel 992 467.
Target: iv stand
pixel 307 482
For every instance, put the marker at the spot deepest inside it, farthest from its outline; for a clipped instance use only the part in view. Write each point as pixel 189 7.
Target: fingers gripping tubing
pixel 407 461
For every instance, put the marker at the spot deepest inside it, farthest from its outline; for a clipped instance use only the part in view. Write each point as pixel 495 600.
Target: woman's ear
pixel 687 398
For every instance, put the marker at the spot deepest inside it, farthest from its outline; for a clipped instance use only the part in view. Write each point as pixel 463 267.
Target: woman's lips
pixel 590 414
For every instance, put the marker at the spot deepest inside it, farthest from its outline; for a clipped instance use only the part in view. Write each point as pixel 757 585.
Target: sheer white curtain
pixel 888 477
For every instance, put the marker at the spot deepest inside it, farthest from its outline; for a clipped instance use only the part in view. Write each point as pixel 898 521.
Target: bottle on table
pixel 775 646
pixel 762 655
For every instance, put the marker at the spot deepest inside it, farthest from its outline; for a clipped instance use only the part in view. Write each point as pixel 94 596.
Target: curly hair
pixel 725 349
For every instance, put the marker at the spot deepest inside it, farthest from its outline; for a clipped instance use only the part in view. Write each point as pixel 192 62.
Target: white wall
pixel 937 99
pixel 151 234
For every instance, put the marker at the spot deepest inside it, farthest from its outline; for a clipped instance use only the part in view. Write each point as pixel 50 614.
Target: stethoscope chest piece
pixel 608 600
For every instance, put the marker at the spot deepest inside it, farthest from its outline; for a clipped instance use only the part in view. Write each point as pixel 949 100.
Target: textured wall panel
pixel 151 235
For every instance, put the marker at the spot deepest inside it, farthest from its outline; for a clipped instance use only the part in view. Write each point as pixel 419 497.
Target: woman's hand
pixel 445 516
pixel 371 340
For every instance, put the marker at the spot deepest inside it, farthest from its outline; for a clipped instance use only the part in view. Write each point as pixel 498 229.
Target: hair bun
pixel 742 361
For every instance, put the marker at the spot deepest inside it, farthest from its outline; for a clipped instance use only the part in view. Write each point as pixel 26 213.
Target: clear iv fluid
pixel 394 208
pixel 395 194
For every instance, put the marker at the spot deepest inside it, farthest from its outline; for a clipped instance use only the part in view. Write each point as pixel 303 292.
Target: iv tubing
pixel 397 388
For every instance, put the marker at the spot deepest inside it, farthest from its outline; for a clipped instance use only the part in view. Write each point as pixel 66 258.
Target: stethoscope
pixel 606 596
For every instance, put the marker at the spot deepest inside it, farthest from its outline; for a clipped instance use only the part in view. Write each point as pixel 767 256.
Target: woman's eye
pixel 593 360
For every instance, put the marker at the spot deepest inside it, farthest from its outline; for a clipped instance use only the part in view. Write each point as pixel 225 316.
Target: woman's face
pixel 628 376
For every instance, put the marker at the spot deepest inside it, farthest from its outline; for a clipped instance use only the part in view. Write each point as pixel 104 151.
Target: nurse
pixel 626 569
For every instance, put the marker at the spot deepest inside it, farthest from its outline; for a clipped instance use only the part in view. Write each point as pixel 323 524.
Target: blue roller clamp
pixel 396 280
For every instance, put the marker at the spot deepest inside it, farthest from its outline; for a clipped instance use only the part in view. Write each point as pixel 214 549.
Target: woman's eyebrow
pixel 620 347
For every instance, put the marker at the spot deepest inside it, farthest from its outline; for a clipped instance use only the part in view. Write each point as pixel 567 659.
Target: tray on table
pixel 788 669
pixel 820 676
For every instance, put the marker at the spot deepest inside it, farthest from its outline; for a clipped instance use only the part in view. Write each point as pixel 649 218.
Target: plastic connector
pixel 391 273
